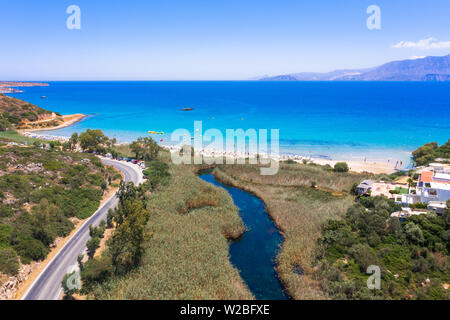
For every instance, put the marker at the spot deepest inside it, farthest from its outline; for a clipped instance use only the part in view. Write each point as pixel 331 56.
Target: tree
pixel 80 261
pixel 414 233
pixel 341 167
pixel 126 245
pixel 92 245
pixel 96 271
pixel 92 140
pixel 73 141
pixel 137 149
pixel 410 182
pixel 126 192
pixel 109 218
pixel 145 148
pixel 103 186
pixel 430 151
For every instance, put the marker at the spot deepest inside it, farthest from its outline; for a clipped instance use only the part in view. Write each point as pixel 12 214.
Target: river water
pixel 255 252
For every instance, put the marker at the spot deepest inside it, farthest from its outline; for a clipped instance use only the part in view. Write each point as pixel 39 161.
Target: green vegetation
pixel 14 136
pixel 40 191
pixel 15 112
pixel 157 174
pixel 9 261
pixel 145 149
pixel 92 140
pixel 431 151
pixel 96 233
pixel 341 167
pixel 300 198
pixel 413 255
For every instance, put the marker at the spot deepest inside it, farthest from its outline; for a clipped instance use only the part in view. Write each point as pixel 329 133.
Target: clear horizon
pixel 201 41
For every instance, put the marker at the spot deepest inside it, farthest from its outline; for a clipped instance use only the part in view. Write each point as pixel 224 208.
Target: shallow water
pixel 255 252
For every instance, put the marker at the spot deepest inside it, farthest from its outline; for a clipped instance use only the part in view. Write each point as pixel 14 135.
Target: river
pixel 254 253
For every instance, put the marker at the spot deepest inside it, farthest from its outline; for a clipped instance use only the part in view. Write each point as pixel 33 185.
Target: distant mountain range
pixel 422 69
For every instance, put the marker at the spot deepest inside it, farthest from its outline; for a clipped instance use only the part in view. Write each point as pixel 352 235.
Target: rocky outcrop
pixel 9 289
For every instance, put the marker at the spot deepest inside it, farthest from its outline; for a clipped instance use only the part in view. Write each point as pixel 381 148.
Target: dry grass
pixel 187 255
pixel 298 210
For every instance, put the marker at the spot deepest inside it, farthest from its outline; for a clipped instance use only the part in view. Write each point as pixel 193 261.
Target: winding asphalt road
pixel 47 286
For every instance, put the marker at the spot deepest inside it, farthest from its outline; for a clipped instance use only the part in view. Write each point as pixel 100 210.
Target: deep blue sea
pixel 340 120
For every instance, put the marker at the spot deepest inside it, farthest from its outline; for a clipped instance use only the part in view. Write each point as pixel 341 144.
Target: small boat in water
pixel 43 97
pixel 187 109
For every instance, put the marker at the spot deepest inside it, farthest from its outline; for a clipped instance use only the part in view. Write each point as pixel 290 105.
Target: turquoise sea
pixel 338 120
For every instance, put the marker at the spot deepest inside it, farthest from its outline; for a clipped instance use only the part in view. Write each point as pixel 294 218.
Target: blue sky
pixel 211 39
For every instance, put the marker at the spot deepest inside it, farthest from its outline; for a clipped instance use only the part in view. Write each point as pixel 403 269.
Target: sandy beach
pixel 371 166
pixel 68 120
pixel 375 167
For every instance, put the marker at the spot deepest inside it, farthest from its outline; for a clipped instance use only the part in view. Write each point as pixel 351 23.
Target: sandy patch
pixel 361 166
pixel 68 120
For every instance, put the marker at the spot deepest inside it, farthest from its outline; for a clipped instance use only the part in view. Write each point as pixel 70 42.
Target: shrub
pixel 363 256
pixel 341 167
pixel 5 235
pixel 5 211
pixel 419 205
pixel 157 173
pixel 414 233
pixel 9 261
pixel 30 249
pixel 95 271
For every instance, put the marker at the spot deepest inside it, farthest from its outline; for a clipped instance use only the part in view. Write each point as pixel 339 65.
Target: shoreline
pixel 371 166
pixel 384 166
pixel 10 86
pixel 69 120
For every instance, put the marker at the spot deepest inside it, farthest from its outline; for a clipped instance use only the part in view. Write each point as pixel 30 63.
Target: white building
pixel 433 186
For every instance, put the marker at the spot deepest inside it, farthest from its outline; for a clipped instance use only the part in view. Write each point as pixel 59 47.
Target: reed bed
pixel 300 199
pixel 187 254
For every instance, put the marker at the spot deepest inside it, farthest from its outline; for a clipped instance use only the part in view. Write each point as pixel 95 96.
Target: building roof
pixel 442 176
pixel 437 181
pixel 426 176
pixel 437 204
pixel 365 184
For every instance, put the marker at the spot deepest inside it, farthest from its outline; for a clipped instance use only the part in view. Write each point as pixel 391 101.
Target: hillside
pixel 42 193
pixel 16 113
pixel 425 69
